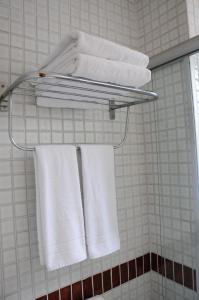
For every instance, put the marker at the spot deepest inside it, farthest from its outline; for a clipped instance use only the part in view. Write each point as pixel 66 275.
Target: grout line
pixel 144 272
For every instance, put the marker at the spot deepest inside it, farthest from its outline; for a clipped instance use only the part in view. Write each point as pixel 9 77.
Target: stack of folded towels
pixel 83 55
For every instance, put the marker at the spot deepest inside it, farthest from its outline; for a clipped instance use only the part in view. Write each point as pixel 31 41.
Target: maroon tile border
pixel 106 275
pixel 154 262
pixel 115 276
pixel 140 265
pixel 87 288
pixel 188 277
pixel 66 293
pixel 97 284
pixel 77 290
pixel 194 280
pixel 147 264
pixel 102 282
pixel 175 271
pixel 124 272
pixel 132 269
pixel 54 296
pixel 169 269
pixel 161 265
pixel 178 273
pixel 42 298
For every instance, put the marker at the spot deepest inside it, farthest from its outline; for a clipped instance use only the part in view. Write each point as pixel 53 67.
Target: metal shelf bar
pixel 39 79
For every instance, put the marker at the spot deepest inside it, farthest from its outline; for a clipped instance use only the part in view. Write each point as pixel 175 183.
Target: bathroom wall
pixel 193 19
pixel 153 169
pixel 29 31
pixel 169 145
pixel 162 24
pixel 171 175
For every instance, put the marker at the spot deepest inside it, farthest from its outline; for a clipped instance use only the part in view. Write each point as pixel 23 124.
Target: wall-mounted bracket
pixel 112 110
pixel 3 101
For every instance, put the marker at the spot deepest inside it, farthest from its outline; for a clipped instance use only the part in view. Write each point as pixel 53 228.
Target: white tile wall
pixel 140 288
pixel 175 165
pixel 193 17
pixel 165 289
pixel 169 141
pixel 32 28
pixel 169 144
pixel 162 24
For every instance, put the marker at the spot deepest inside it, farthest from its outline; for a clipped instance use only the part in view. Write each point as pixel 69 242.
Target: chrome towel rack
pixel 76 89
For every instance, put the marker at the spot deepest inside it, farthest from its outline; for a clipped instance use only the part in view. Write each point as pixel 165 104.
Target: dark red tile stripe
pixel 194 280
pixel 132 269
pixel 147 263
pixel 169 269
pixel 178 273
pixel 106 280
pixel 188 277
pixel 87 288
pixel 124 273
pixel 97 282
pixel 140 266
pixel 66 293
pixel 102 282
pixel 116 276
pixel 154 262
pixel 54 296
pixel 161 265
pixel 77 291
pixel 174 271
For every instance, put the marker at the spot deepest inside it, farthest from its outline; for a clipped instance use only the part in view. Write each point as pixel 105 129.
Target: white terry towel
pixel 96 46
pixel 65 97
pixel 100 208
pixel 60 221
pixel 46 101
pixel 100 69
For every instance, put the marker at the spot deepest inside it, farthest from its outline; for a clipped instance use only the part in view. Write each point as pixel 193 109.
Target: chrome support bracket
pixel 3 101
pixel 112 109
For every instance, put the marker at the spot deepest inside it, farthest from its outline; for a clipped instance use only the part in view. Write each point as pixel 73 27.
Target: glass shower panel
pixel 194 67
pixel 172 205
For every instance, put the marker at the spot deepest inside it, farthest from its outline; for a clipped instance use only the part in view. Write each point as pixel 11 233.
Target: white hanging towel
pixel 60 223
pixel 79 41
pixel 100 208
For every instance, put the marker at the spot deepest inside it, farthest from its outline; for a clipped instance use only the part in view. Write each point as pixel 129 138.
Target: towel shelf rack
pixel 67 87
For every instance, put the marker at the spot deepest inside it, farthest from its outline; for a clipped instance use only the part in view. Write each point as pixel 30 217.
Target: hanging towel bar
pixel 76 89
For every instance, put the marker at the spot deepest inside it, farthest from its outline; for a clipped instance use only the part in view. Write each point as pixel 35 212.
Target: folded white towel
pixel 56 96
pixel 96 46
pixel 60 221
pixel 100 209
pixel 46 101
pixel 101 69
pixel 83 55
